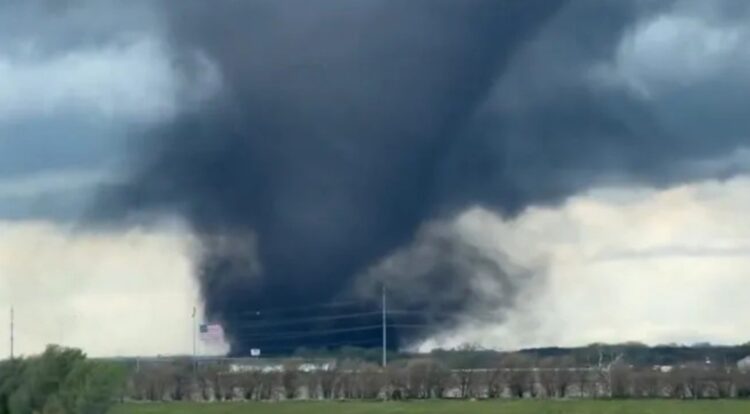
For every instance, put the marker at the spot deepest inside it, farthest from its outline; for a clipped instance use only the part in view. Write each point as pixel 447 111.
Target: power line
pixel 330 321
pixel 368 341
pixel 423 313
pixel 410 326
pixel 297 321
pixel 285 320
pixel 323 305
pixel 308 334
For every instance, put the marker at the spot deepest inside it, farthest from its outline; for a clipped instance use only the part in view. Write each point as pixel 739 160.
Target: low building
pixel 744 364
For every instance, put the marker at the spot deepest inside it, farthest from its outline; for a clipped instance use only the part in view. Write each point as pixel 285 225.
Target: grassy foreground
pixel 446 407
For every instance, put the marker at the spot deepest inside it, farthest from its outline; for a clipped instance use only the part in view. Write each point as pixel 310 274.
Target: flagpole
pixel 195 362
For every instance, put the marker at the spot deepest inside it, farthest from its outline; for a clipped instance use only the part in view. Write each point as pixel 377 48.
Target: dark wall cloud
pixel 343 127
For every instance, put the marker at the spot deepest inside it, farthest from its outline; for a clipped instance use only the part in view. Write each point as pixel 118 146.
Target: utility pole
pixel 385 337
pixel 11 332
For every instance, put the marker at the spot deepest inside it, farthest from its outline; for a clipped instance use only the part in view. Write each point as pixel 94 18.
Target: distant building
pixel 663 368
pixel 744 364
pixel 250 365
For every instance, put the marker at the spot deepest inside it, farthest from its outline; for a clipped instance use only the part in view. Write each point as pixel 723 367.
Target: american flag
pixel 212 332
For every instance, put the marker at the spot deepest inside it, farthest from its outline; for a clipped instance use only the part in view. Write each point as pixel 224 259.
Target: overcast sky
pixel 80 79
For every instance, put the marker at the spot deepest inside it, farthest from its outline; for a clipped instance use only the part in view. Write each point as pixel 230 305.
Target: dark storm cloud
pixel 50 123
pixel 344 126
pixel 441 271
pixel 551 128
pixel 58 150
pixel 698 77
pixel 326 142
pixel 76 78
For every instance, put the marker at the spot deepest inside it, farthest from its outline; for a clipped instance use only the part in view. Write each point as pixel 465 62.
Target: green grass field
pixel 446 407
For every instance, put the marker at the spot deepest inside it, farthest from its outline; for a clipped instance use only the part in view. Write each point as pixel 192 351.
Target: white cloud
pixel 616 264
pixel 127 293
pixel 131 80
pixel 655 266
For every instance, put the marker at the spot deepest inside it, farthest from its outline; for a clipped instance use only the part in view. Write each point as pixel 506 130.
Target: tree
pixel 20 401
pixel 619 380
pixel 11 380
pixel 249 382
pixel 495 382
pixel 371 381
pixel 742 380
pixel 647 383
pixel 438 379
pixel 328 379
pixel 90 387
pixel 290 375
pixel 691 379
pixel 54 406
pixel 268 385
pixel 153 381
pixel 548 376
pixel 47 373
pixel 59 381
pixel 520 374
pixel 420 372
pixel 582 379
pixel 397 380
pixel 564 374
pixel 347 383
pixel 721 381
pixel 467 382
pixel 672 385
pixel 178 374
pixel 311 381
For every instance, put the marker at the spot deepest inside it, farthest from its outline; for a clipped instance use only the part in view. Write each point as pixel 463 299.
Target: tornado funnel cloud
pixel 343 130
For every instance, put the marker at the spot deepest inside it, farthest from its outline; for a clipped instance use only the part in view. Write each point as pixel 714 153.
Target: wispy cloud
pixel 130 80
pixel 50 182
pixel 675 252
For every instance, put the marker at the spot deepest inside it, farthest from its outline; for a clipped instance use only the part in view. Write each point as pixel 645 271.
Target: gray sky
pixel 80 80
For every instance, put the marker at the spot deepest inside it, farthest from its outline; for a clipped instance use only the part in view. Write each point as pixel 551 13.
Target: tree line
pixel 514 375
pixel 64 381
pixel 59 381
